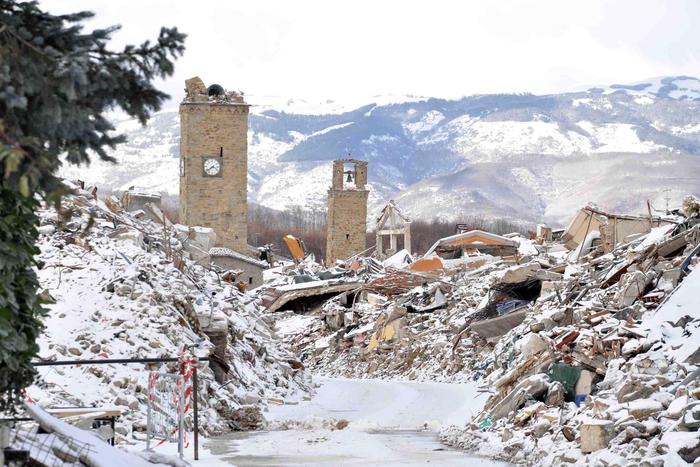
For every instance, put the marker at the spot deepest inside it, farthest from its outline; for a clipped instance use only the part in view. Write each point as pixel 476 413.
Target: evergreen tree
pixel 56 83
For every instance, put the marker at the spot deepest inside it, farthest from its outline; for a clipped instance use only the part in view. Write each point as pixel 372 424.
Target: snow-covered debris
pixel 605 323
pixel 587 361
pixel 124 286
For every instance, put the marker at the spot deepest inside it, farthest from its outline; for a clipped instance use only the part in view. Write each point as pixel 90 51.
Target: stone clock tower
pixel 214 162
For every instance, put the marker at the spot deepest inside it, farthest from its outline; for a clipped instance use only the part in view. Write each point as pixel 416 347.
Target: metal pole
pixel 113 426
pixel 195 394
pixel 148 413
pixel 105 361
pixel 181 421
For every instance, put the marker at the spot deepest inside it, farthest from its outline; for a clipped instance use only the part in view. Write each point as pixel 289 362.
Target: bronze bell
pixel 349 176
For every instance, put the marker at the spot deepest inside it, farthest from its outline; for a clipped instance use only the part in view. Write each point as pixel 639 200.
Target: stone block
pixel 676 408
pixel 195 87
pixel 131 235
pixel 596 435
pixel 532 386
pixel 641 409
pixel 691 416
pixel 532 344
pixel 584 385
pixel 556 394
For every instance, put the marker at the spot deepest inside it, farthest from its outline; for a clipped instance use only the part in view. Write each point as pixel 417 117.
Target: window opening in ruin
pixel 221 151
pixel 347 236
pixel 250 280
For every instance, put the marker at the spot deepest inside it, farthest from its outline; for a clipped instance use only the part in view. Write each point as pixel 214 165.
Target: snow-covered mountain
pixel 520 156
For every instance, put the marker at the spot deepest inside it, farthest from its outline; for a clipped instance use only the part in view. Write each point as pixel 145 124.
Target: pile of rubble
pixel 128 285
pixel 395 320
pixel 586 343
pixel 603 370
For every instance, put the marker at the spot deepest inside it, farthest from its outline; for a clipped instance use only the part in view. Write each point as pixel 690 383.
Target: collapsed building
pixel 587 346
pixel 249 270
pixel 474 242
pixel 585 340
pixel 594 226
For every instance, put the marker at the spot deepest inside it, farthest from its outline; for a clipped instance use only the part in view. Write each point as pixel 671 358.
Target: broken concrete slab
pixel 134 201
pixel 584 385
pixel 154 213
pixel 641 409
pixel 495 327
pixel 533 386
pixel 520 273
pixel 274 298
pixel 632 286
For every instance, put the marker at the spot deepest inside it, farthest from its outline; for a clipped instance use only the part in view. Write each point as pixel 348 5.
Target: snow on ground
pixel 489 139
pixel 684 302
pixel 293 324
pixel 379 404
pixel 386 424
pixel 617 137
pixel 427 122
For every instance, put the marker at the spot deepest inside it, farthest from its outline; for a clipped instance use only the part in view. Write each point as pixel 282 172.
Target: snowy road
pixel 387 426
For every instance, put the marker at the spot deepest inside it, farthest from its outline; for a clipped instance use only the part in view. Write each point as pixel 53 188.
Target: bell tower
pixel 347 210
pixel 214 162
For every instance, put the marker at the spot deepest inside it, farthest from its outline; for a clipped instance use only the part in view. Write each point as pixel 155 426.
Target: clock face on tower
pixel 211 166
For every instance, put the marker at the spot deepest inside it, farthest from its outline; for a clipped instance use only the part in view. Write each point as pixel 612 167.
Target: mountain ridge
pixel 520 156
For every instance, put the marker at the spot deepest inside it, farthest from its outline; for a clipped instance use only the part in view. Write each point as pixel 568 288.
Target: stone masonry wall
pixel 216 202
pixel 347 223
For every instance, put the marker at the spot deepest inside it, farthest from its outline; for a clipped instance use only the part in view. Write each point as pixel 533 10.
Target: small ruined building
pixel 593 227
pixel 250 271
pixel 544 234
pixel 347 210
pixel 134 200
pixel 394 226
pixel 474 242
pixel 214 162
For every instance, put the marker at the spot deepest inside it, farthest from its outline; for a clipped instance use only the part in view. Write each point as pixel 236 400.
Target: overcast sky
pixel 357 49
